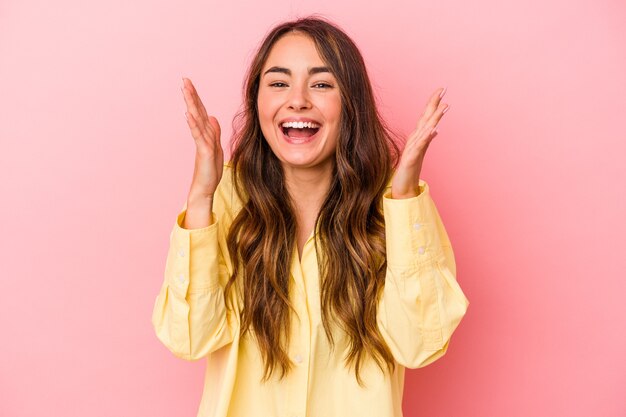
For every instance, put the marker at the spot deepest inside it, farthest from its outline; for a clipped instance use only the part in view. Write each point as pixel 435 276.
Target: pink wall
pixel 96 161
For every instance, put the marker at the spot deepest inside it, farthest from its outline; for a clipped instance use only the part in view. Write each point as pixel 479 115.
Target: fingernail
pixel 445 110
pixel 443 92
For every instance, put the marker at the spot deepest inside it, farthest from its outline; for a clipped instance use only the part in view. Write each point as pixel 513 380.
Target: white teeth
pixel 301 125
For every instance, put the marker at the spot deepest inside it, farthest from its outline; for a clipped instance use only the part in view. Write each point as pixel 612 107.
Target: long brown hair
pixel 350 238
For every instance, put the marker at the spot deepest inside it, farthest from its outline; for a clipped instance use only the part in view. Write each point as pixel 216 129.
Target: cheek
pixel 332 109
pixel 266 120
pixel 267 108
pixel 261 105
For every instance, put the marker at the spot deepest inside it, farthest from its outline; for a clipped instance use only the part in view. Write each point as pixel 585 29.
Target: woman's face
pixel 299 104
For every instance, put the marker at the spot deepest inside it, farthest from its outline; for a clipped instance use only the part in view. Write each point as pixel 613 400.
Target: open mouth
pixel 295 132
pixel 299 132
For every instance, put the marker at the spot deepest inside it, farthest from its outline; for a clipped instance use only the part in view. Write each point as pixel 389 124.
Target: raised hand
pixel 206 133
pixel 405 182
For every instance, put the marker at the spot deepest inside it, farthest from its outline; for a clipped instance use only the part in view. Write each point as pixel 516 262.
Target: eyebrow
pixel 312 71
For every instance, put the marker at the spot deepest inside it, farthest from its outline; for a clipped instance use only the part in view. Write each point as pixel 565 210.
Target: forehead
pixel 294 51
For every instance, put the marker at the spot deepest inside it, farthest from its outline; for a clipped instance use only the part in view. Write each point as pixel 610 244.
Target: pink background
pixel 527 172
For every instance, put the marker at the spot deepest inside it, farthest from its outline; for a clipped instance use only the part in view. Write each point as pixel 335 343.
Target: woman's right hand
pixel 209 156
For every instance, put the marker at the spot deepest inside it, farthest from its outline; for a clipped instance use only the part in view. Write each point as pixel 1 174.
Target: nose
pixel 299 98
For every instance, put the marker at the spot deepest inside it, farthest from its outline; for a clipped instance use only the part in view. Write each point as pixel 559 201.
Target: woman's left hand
pixel 405 182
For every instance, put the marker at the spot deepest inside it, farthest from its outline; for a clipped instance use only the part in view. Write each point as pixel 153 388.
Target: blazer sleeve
pixel 190 316
pixel 422 303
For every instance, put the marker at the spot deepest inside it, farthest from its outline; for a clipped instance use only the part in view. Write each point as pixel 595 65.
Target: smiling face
pixel 299 105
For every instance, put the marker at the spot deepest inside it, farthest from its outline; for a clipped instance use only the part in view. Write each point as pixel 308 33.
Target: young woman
pixel 313 268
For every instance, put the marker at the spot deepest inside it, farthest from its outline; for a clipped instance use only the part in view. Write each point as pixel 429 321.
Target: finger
pixel 189 101
pixel 430 139
pixel 188 92
pixel 193 110
pixel 213 139
pixel 197 100
pixel 200 112
pixel 211 131
pixel 420 140
pixel 434 119
pixel 431 107
pixel 196 132
pixel 216 128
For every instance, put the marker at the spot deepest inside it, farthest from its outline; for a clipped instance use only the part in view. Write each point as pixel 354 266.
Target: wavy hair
pixel 350 233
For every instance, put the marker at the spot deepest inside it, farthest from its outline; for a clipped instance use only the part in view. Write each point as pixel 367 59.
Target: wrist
pixel 199 202
pixel 403 196
pixel 407 193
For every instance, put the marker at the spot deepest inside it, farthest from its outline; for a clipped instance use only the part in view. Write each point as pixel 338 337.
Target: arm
pixel 422 303
pixel 189 316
